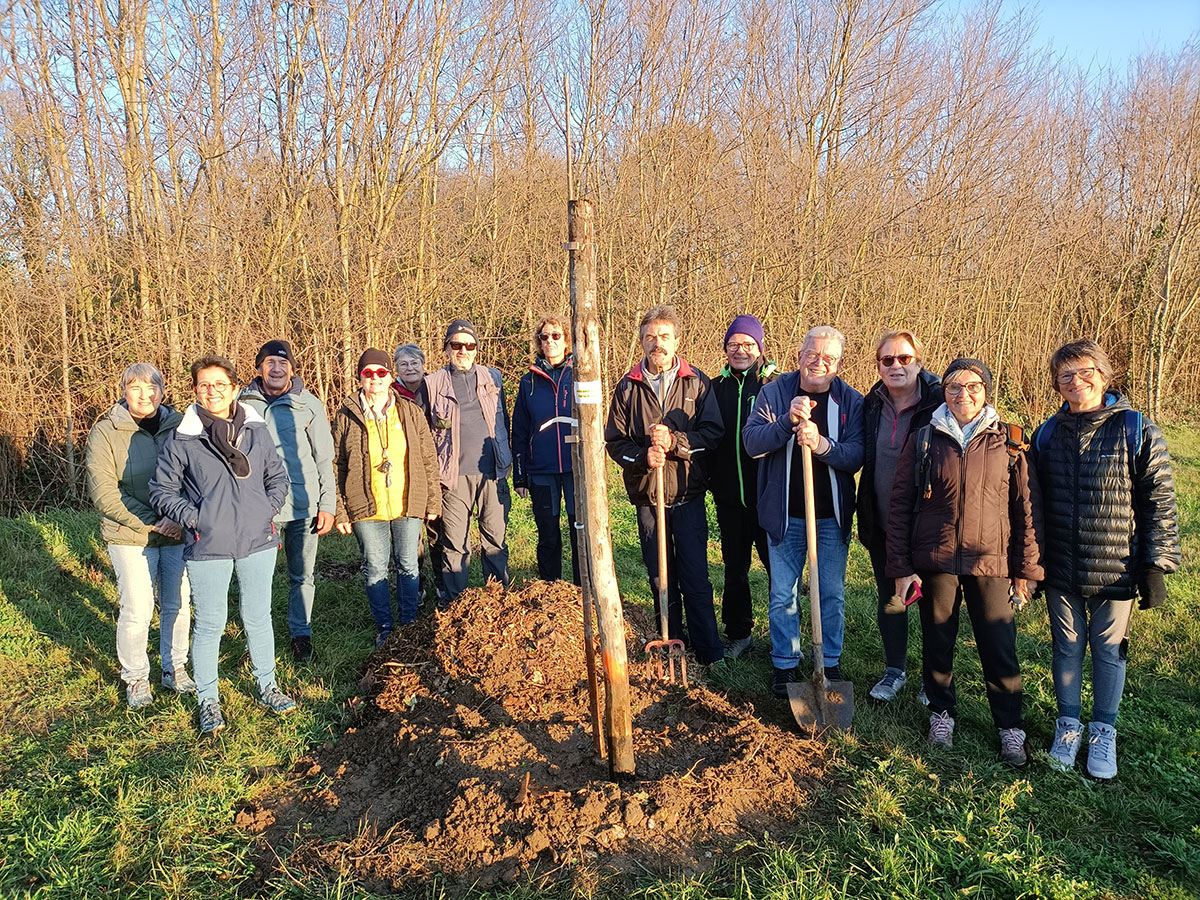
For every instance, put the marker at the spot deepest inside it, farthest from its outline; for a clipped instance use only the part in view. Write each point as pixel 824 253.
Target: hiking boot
pixel 302 650
pixel 178 681
pixel 781 678
pixel 1102 751
pixel 1012 747
pixel 211 720
pixel 277 701
pixel 735 647
pixel 138 694
pixel 922 697
pixel 887 687
pixel 1068 735
pixel 834 673
pixel 941 730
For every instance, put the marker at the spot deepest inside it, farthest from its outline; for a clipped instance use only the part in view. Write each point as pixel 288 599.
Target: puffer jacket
pixel 352 461
pixel 982 517
pixel 732 472
pixel 870 531
pixel 543 394
pixel 1107 517
pixel 120 463
pixel 692 416
pixel 223 516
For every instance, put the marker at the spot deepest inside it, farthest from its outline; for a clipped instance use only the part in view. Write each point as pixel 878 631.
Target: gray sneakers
pixel 887 687
pixel 277 701
pixel 211 720
pixel 1068 735
pixel 735 647
pixel 1012 747
pixel 941 730
pixel 137 694
pixel 1102 750
pixel 178 681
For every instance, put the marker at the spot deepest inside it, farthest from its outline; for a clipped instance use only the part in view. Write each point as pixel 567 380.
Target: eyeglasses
pixel 463 345
pixel 974 388
pixel 552 336
pixel 811 356
pixel 888 361
pixel 744 346
pixel 217 387
pixel 374 373
pixel 1084 374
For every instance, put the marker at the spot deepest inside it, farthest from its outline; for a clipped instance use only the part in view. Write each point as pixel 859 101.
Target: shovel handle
pixel 814 584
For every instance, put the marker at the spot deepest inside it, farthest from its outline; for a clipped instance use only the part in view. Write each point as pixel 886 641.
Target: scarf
pixel 224 434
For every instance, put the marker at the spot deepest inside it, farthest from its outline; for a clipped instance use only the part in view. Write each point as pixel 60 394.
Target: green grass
pixel 99 801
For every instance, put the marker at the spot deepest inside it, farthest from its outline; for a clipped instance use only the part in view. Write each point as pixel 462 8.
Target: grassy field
pixel 96 800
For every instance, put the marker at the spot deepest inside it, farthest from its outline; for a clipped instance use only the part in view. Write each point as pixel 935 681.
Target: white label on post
pixel 587 393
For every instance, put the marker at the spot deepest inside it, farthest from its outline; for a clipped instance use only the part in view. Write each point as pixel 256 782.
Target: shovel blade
pixel 832 707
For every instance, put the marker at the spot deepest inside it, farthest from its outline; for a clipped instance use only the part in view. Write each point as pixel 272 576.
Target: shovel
pixel 666 659
pixel 823 703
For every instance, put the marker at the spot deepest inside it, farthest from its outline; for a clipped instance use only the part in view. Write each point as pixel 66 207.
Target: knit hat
pixel 748 325
pixel 373 357
pixel 458 326
pixel 972 365
pixel 281 349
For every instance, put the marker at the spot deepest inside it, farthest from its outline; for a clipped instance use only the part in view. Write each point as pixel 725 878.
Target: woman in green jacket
pixel 145 549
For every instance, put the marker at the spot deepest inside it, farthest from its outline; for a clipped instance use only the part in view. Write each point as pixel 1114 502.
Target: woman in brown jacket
pixel 387 484
pixel 964 523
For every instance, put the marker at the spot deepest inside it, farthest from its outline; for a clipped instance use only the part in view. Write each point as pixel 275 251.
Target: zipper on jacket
pixel 962 509
pixel 737 441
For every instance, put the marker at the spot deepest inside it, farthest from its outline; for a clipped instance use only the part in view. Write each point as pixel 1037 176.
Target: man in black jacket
pixel 900 402
pixel 663 415
pixel 733 477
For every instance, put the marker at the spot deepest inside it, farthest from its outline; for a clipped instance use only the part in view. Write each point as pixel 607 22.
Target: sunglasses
pixel 463 345
pixel 904 359
pixel 374 373
pixel 552 336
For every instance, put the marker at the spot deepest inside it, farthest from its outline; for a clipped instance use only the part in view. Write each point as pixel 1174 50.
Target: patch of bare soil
pixel 472 762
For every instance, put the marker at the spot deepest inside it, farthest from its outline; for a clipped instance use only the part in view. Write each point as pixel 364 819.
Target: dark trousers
pixel 995 636
pixel 431 546
pixel 688 585
pixel 740 532
pixel 548 495
pixel 893 627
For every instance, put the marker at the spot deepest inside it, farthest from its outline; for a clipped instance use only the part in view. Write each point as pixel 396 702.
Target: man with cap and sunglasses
pixel 470 434
pixel 733 477
pixel 300 428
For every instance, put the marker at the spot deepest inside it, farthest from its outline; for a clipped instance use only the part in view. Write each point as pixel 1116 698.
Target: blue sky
pixel 1108 33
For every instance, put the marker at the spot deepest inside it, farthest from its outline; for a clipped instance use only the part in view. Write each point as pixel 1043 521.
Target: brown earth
pixel 472 762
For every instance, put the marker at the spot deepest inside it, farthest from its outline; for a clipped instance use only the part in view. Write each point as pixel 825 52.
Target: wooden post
pixel 584 563
pixel 589 410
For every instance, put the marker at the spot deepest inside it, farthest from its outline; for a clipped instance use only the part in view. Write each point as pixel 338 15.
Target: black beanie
pixel 972 365
pixel 281 349
pixel 460 326
pixel 373 357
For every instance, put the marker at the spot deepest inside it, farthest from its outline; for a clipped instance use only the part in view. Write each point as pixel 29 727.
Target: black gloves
pixel 1153 588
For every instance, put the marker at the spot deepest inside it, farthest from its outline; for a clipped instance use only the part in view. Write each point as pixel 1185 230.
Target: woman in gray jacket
pixel 145 548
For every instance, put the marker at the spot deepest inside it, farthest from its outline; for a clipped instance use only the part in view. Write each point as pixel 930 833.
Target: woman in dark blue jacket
pixel 542 420
pixel 220 477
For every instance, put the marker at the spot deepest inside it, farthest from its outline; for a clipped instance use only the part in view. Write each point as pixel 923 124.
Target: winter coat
pixel 543 394
pixel 768 436
pixel 300 427
pixel 732 472
pixel 352 461
pixel 120 463
pixel 444 422
pixel 983 512
pixel 870 531
pixel 1107 517
pixel 690 413
pixel 223 516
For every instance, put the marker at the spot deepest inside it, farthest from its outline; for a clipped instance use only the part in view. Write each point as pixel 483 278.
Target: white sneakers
pixel 1102 750
pixel 1068 735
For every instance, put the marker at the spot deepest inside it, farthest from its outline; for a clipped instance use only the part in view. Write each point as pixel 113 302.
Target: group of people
pixel 953 505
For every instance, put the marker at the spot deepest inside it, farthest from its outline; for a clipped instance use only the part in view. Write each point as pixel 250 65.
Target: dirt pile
pixel 473 760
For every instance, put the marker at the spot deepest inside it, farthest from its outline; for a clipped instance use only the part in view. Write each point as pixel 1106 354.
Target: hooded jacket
pixel 223 516
pixel 444 422
pixel 870 530
pixel 1107 517
pixel 732 472
pixel 543 394
pixel 768 437
pixel 691 414
pixel 121 458
pixel 983 512
pixel 300 428
pixel 355 497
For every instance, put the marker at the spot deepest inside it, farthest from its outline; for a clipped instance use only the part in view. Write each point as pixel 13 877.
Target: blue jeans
pixel 141 570
pixel 380 542
pixel 1076 623
pixel 210 604
pixel 787 568
pixel 300 547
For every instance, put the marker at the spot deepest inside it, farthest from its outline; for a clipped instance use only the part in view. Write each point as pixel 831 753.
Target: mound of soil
pixel 473 762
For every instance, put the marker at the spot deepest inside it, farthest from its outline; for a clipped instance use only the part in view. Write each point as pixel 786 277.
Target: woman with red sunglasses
pixel 387 484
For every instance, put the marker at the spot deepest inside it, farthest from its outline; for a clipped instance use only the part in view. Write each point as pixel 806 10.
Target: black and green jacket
pixel 732 472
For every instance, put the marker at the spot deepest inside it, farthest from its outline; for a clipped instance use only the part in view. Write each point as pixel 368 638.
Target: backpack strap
pixel 1014 442
pixel 1132 423
pixel 1042 436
